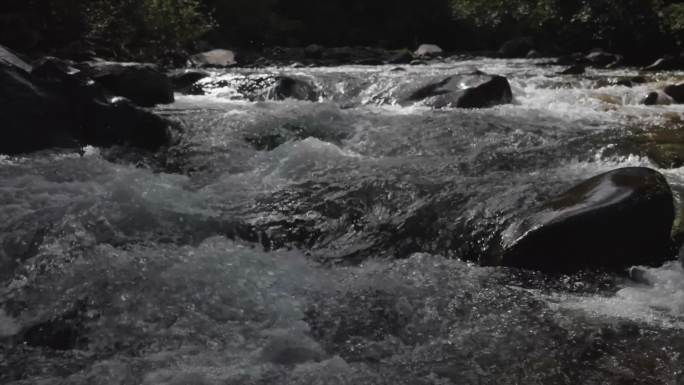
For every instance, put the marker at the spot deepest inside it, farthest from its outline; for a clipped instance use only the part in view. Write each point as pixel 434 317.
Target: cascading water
pixel 328 242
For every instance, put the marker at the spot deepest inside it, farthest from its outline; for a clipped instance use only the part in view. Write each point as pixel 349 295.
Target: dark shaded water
pixel 327 243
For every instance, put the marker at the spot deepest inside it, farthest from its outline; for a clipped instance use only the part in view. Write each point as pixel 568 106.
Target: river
pixel 333 242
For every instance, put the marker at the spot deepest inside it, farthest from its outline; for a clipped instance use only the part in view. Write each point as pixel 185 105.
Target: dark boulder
pixel 33 116
pixel 140 82
pixel 214 58
pixel 657 98
pixel 428 50
pixel 481 91
pixel 184 80
pixel 118 122
pixel 612 221
pixel 518 47
pixel 400 57
pixel 666 63
pixel 57 105
pixel 493 92
pixel 52 69
pixel 577 69
pixel 287 87
pixel 676 92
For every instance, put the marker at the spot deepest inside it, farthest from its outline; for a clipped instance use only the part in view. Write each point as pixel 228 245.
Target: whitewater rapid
pixel 332 242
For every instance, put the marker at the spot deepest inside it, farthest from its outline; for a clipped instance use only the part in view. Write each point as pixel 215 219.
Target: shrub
pixel 146 28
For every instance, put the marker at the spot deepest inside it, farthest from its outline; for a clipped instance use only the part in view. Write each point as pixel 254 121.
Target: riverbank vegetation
pixel 150 28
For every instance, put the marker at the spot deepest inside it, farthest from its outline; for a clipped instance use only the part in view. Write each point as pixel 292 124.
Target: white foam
pixel 658 303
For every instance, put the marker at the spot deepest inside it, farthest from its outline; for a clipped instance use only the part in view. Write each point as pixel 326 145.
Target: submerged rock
pixel 480 91
pixel 214 58
pixel 428 50
pixel 612 221
pixel 142 83
pixel 287 87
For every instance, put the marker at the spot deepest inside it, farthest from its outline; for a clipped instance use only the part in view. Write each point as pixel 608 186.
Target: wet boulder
pixel 676 92
pixel 214 58
pixel 476 90
pixel 657 98
pixel 612 221
pixel 118 122
pixel 428 50
pixel 32 115
pixel 142 83
pixel 184 80
pixel 518 47
pixel 286 87
pixel 57 105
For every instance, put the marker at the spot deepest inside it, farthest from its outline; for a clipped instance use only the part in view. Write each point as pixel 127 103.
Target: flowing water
pixel 333 242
